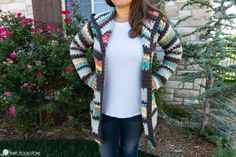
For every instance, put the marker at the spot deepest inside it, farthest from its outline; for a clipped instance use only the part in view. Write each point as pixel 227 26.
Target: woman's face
pixel 121 3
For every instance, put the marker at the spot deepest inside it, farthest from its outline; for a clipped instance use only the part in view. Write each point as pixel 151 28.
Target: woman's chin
pixel 121 5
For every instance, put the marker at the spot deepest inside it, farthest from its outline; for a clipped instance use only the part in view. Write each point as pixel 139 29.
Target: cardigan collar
pixel 103 24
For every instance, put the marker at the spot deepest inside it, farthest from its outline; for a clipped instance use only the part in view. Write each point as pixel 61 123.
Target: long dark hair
pixel 139 11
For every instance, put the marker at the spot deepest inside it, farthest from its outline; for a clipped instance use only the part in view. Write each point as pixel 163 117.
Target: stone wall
pixel 178 92
pixel 23 6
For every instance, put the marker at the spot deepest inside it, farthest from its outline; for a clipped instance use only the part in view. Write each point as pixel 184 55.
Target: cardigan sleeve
pixel 167 39
pixel 80 44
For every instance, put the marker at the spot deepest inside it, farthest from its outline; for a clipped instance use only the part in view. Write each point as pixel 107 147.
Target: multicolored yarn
pixel 95 34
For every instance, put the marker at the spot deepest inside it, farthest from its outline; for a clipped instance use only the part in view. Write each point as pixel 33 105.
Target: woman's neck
pixel 122 14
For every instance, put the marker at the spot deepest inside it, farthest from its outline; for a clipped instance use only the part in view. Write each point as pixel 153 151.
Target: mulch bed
pixel 172 143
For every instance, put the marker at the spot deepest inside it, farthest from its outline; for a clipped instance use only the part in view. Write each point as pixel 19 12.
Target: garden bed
pixel 172 140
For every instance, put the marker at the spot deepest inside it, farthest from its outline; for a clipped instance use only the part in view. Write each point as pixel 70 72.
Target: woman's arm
pixel 82 41
pixel 167 38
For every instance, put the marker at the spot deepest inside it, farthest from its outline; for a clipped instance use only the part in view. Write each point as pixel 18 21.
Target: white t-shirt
pixel 122 96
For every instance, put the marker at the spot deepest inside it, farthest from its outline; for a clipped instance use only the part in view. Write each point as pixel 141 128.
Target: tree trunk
pixel 209 85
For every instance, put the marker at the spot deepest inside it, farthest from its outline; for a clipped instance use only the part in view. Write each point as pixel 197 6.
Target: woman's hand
pixel 94 84
pixel 153 85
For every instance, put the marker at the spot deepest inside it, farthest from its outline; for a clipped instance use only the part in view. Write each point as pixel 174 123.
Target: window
pixel 85 7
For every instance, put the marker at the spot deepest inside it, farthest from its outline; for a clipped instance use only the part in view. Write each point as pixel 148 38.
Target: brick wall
pixel 178 92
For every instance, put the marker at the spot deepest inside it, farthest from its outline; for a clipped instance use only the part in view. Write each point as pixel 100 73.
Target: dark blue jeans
pixel 121 136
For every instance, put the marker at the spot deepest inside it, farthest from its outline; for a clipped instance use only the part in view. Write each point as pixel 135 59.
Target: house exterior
pixel 37 9
pixel 176 91
pixel 89 6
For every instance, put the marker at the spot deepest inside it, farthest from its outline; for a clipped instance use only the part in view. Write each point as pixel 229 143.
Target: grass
pixel 58 148
pixel 225 152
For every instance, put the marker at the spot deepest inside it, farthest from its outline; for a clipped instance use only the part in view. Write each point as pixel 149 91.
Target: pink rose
pixel 30 20
pixel 23 22
pixel 68 69
pixel 3 29
pixel 39 73
pixel 26 84
pixel 12 110
pixel 50 27
pixel 13 55
pixel 4 32
pixel 7 93
pixel 32 30
pixel 68 20
pixel 65 12
pixel 7 34
pixel 18 14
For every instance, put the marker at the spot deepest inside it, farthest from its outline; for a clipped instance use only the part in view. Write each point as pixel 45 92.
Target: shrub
pixel 38 83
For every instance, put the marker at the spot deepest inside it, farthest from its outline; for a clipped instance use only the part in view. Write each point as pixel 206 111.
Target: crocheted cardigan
pixel 95 33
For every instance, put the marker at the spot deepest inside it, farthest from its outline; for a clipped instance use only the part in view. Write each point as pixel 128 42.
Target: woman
pixel 124 42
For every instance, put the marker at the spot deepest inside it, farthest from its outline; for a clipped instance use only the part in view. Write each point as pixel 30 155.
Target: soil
pixel 171 142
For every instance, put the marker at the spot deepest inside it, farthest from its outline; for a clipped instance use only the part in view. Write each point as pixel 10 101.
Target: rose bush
pixel 39 86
